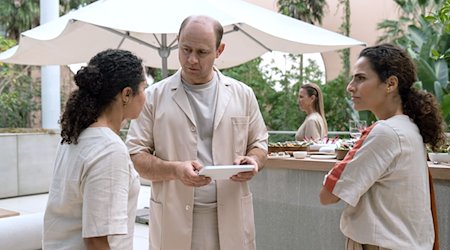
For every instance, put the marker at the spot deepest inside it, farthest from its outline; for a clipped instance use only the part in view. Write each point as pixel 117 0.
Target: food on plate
pixel 344 145
pixel 279 154
pixel 288 146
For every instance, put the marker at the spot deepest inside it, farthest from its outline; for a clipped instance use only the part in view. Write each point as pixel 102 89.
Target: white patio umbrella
pixel 149 28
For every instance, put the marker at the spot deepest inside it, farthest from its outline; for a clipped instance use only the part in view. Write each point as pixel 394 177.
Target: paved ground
pixel 36 204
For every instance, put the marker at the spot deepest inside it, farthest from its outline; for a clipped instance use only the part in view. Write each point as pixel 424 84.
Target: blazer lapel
pixel 223 99
pixel 179 96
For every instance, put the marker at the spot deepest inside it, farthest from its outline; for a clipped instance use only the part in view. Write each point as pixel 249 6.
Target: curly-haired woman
pixel 384 179
pixel 93 196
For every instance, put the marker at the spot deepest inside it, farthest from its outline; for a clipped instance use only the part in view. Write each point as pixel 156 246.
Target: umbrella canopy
pixel 149 28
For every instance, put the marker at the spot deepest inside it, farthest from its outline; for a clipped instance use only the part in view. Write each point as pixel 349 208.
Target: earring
pixel 125 103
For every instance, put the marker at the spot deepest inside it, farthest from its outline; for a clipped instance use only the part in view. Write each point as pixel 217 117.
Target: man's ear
pixel 220 50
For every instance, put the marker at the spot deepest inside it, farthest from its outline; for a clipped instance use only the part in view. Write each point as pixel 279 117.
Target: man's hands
pixel 187 172
pixel 245 176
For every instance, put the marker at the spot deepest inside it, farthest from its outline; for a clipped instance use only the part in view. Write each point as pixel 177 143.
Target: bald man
pixel 194 118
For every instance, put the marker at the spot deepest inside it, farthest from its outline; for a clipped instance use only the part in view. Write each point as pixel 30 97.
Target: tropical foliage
pixel 409 10
pixel 345 30
pixel 427 40
pixel 441 56
pixel 276 91
pixel 337 105
pixel 309 11
pixel 338 109
pixel 19 93
pixel 17 16
pixel 16 93
pixel 68 5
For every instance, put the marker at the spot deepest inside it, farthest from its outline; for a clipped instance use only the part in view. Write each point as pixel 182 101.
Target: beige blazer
pixel 166 127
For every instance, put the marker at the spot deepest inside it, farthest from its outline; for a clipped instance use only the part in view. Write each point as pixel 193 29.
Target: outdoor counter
pixel 288 213
pixel 438 171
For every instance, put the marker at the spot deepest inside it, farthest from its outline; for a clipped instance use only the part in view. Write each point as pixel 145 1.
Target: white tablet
pixel 224 171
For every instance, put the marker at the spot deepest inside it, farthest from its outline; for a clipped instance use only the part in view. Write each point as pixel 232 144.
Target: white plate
pixel 319 153
pixel 319 146
pixel 224 171
pixel 322 156
pixel 278 156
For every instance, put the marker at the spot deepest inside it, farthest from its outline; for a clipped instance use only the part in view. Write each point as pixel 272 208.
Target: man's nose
pixel 192 58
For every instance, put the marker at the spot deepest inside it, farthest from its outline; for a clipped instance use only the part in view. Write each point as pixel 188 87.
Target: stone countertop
pixel 438 171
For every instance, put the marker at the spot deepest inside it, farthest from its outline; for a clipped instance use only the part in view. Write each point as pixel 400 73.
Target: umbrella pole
pixel 164 52
pixel 164 67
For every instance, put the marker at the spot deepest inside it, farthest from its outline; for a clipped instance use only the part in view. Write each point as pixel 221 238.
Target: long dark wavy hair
pixel 421 106
pixel 105 76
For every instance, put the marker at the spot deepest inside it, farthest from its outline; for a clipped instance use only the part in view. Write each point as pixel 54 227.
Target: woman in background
pixel 384 179
pixel 310 100
pixel 93 196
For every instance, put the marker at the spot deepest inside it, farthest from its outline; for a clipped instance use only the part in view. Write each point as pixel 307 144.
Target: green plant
pixel 305 10
pixel 17 16
pixel 309 11
pixel 249 73
pixel 68 5
pixel 427 40
pixel 345 29
pixel 276 91
pixel 17 93
pixel 337 109
pixel 442 149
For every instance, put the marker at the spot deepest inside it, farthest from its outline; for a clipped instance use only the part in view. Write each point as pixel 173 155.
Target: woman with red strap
pixel 384 178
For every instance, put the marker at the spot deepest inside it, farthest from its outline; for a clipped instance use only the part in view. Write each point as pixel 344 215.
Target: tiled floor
pixel 36 204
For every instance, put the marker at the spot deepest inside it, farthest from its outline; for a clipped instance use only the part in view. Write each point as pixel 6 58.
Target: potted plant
pixel 342 149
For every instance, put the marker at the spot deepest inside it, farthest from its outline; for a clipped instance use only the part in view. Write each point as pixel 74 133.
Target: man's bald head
pixel 218 29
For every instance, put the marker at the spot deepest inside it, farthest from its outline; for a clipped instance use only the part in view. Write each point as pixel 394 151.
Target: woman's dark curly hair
pixel 105 76
pixel 421 106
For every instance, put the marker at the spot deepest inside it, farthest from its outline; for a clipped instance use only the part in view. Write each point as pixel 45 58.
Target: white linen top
pixel 384 180
pixel 93 193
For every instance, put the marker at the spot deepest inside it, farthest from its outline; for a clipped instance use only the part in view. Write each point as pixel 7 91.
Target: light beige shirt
pixel 312 128
pixel 93 193
pixel 167 128
pixel 384 180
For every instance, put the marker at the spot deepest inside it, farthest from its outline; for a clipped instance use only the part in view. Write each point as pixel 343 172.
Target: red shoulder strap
pixel 434 212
